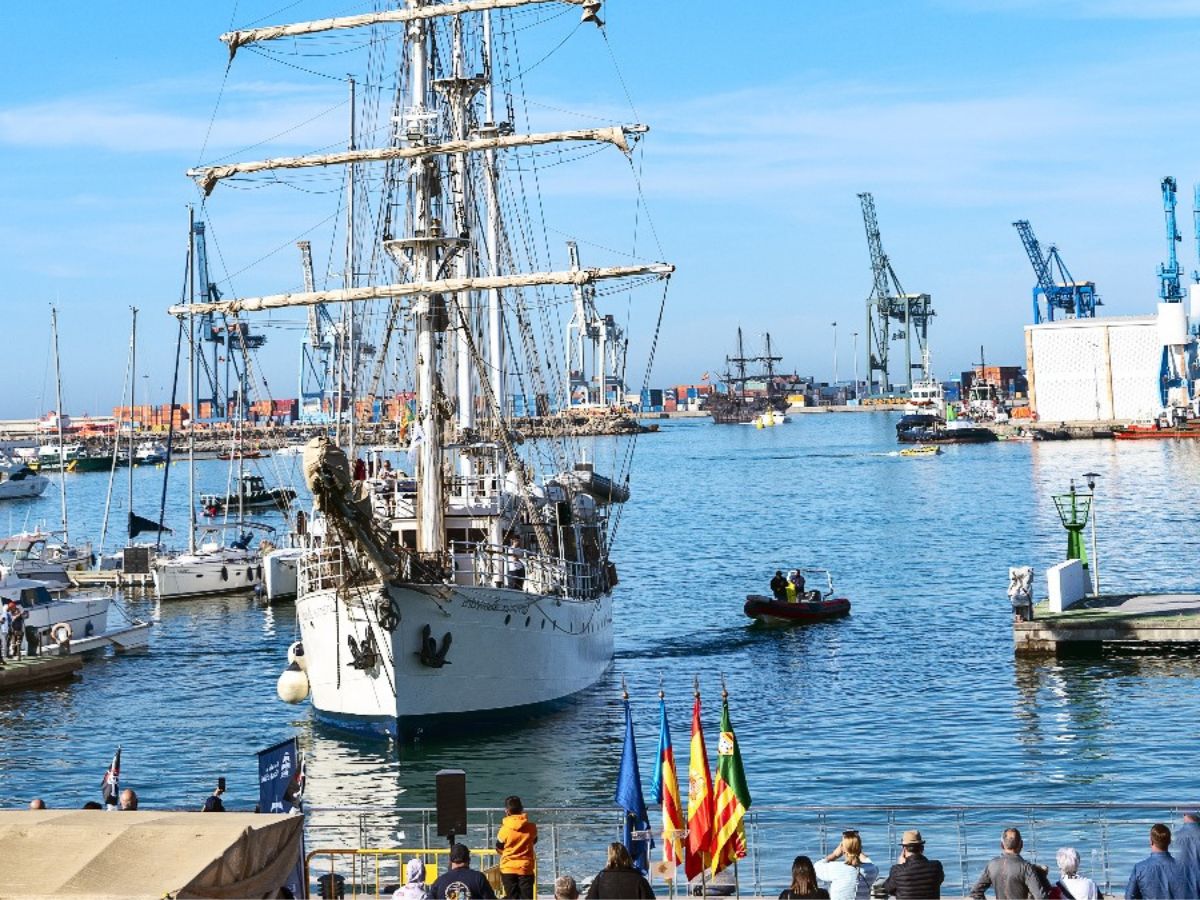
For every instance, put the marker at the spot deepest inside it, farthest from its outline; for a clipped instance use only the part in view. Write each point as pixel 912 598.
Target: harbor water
pixel 914 699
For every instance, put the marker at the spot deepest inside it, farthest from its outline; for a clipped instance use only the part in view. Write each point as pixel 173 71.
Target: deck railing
pixel 1109 838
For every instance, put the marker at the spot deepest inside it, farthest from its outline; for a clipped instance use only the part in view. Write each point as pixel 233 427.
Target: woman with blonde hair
pixel 849 872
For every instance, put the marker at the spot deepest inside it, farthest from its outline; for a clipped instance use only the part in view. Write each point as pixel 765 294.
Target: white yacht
pixel 19 482
pixel 212 568
pixel 41 556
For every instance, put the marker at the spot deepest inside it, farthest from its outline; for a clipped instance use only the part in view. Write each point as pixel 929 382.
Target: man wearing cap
pixel 914 877
pixel 461 882
pixel 1009 874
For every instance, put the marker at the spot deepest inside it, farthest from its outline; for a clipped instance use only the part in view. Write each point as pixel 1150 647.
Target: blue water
pixel 914 698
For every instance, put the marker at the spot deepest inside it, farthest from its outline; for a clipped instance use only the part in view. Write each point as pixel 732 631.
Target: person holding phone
pixel 213 802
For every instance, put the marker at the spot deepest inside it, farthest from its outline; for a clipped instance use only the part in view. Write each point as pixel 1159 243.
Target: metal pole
pixel 835 359
pixel 855 355
pixel 1095 558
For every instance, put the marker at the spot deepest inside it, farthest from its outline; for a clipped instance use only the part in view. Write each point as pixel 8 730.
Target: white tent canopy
pixel 93 853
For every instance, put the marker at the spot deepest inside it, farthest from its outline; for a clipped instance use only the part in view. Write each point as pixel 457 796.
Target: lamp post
pixel 1091 483
pixel 835 355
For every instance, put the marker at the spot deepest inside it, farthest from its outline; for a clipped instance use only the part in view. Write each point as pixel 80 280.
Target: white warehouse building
pixel 1103 369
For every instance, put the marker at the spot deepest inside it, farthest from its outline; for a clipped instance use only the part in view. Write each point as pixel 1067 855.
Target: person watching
pixel 914 877
pixel 1160 875
pixel 1009 874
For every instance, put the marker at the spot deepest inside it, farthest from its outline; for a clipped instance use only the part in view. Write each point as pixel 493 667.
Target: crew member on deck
pixel 779 586
pixel 797 581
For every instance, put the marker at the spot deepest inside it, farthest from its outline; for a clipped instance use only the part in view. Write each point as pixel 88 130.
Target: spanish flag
pixel 732 798
pixel 666 792
pixel 700 802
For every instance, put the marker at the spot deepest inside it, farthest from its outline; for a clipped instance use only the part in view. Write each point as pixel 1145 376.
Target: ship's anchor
pixel 364 656
pixel 386 611
pixel 430 654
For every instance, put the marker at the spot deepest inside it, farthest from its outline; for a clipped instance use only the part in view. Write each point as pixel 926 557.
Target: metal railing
pixel 1109 837
pixel 376 872
pixel 494 566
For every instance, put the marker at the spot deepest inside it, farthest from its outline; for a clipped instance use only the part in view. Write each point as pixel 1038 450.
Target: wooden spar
pixel 440 286
pixel 237 39
pixel 208 176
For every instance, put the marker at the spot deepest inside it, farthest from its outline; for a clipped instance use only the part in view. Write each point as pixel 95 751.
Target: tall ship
pixel 478 587
pixel 736 405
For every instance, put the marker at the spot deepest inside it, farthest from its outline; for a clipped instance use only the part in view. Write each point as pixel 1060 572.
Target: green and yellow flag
pixel 732 798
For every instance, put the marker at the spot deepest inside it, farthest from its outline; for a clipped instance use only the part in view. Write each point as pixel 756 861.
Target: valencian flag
pixel 666 791
pixel 629 797
pixel 110 784
pixel 700 802
pixel 732 797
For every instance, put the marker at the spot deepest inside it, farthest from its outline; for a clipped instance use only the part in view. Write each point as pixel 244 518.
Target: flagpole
pixel 737 887
pixel 704 869
pixel 667 838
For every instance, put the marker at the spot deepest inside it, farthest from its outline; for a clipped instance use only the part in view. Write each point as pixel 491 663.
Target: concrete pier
pixel 1142 620
pixel 30 671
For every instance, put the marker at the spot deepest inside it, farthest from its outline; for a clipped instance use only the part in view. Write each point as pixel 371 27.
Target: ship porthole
pixel 508 618
pixel 528 619
pixel 543 624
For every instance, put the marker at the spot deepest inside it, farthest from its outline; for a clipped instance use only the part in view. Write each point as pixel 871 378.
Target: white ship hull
pixel 204 573
pixel 29 486
pixel 510 652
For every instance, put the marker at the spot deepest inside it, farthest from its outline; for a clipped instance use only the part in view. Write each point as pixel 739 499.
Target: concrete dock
pixel 1141 620
pixel 31 671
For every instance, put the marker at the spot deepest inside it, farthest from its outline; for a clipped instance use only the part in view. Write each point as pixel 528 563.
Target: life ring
pixel 61 633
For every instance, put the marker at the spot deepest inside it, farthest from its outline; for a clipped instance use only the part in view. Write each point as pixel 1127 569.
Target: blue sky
pixel 767 119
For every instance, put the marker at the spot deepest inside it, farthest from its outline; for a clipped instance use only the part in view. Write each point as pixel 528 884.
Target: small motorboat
pixel 921 451
pixel 814 606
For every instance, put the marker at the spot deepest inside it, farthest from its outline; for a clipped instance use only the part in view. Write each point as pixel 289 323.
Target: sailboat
pixel 213 563
pixel 427 590
pixel 735 405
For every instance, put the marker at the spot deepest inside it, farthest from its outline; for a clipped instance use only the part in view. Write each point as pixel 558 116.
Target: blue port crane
pixel 1169 288
pixel 1055 286
pixel 225 376
pixel 317 353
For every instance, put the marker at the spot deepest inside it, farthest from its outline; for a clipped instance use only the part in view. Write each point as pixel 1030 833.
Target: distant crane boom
pixel 1169 288
pixel 1055 285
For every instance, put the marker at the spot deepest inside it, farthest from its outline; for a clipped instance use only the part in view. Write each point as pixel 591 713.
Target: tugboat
pixel 252 494
pixel 734 406
pixel 815 605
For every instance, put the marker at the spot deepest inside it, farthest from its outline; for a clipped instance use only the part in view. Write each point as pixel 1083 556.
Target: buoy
pixel 296 655
pixel 292 686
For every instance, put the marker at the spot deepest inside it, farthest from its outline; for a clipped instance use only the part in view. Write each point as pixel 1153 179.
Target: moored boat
pixel 921 451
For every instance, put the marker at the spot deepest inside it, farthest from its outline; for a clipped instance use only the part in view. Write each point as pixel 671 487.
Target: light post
pixel 1091 483
pixel 855 336
pixel 835 355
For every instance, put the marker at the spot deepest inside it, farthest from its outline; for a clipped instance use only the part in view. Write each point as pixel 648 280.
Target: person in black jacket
pixel 619 880
pixel 914 877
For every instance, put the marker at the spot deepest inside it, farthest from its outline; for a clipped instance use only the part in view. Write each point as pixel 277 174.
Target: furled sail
pixel 440 286
pixel 208 176
pixel 237 39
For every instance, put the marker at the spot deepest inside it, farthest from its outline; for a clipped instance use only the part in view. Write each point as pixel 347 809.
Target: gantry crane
pixel 588 328
pixel 1055 285
pixel 316 352
pixel 890 303
pixel 225 376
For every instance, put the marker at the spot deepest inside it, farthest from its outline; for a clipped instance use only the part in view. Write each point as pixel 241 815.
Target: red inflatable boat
pixel 814 606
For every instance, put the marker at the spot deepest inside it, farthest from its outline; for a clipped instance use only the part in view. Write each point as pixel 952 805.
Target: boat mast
pixel 431 530
pixel 460 91
pixel 132 383
pixel 62 463
pixel 491 178
pixel 192 381
pixel 351 261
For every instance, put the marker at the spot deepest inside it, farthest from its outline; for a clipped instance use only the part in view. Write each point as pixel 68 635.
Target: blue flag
pixel 629 798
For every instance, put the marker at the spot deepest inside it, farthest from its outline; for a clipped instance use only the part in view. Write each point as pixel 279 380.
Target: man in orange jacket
pixel 514 843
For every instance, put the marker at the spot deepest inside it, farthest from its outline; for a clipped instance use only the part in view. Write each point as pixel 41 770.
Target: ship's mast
pixel 491 179
pixel 62 462
pixel 348 278
pixel 431 530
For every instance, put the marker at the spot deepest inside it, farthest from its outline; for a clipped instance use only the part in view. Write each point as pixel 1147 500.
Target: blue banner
pixel 280 788
pixel 279 780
